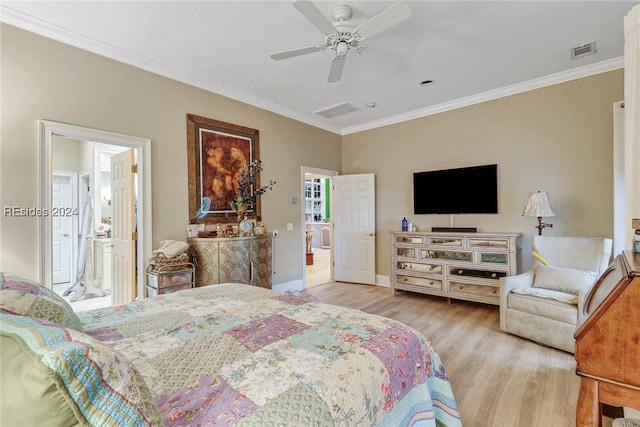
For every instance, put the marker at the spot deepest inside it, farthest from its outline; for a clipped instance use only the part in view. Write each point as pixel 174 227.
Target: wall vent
pixel 335 110
pixel 583 50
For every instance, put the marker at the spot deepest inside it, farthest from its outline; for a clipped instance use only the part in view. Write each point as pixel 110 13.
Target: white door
pixel 61 228
pixel 123 289
pixel 354 231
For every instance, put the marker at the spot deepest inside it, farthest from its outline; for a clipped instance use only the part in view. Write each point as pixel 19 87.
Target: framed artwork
pixel 217 153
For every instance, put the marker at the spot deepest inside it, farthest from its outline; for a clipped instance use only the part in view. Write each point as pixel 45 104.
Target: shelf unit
pixel 465 266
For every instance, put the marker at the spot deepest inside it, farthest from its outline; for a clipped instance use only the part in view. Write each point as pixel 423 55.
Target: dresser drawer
pixel 419 281
pixel 446 256
pixel 418 267
pixel 447 241
pixel 166 279
pixel 494 259
pixel 478 290
pixel 405 252
pixel 474 272
pixel 410 239
pixel 153 292
pixel 491 243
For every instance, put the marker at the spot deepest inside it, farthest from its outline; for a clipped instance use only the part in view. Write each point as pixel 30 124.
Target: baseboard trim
pixel 293 286
pixel 298 286
pixel 383 281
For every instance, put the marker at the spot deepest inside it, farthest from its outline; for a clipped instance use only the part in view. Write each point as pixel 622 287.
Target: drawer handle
pixel 495 291
pixel 460 287
pixel 405 279
pixel 431 282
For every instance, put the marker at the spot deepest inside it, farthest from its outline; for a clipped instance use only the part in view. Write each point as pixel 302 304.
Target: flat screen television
pixel 469 190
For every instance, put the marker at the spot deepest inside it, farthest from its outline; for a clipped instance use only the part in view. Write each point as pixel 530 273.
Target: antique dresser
pixel 232 260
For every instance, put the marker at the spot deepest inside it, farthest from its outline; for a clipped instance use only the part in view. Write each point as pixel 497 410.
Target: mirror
pixel 105 192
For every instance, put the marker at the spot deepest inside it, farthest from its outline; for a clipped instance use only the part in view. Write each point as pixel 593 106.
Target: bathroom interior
pixel 82 249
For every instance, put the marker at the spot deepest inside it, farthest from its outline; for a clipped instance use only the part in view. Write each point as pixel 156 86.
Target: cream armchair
pixel 542 303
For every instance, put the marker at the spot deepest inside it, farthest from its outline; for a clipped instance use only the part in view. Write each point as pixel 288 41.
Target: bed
pixel 228 354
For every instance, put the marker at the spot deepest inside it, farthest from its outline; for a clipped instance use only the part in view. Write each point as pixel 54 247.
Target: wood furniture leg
pixel 588 410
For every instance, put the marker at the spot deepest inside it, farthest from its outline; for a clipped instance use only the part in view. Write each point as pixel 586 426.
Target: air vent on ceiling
pixel 335 110
pixel 583 50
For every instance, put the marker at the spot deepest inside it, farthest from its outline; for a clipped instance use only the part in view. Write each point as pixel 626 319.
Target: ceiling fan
pixel 342 35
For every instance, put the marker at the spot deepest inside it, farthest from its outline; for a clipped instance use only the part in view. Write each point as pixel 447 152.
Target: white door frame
pixel 72 177
pixel 47 131
pixel 303 236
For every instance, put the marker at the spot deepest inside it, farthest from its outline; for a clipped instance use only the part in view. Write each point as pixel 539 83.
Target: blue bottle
pixel 405 224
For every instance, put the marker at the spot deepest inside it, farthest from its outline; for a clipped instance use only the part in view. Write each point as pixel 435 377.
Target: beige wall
pixel 67 155
pixel 44 79
pixel 556 139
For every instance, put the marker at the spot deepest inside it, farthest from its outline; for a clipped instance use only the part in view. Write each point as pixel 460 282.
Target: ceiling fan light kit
pixel 342 48
pixel 342 35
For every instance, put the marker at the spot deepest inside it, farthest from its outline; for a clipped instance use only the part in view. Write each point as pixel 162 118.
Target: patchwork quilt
pixel 237 354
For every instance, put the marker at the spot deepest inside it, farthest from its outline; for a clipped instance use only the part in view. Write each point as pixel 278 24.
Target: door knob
pixel 65 234
pixel 370 234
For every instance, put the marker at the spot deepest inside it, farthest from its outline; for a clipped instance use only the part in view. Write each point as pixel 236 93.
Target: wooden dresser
pixel 608 342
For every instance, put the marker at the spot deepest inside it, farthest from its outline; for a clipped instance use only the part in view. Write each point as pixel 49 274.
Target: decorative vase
pixel 241 210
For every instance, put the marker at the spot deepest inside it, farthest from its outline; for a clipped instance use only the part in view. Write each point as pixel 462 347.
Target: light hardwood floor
pixel 82 304
pixel 498 379
pixel 320 271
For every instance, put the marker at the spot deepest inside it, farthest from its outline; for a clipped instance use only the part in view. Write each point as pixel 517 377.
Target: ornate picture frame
pixel 217 151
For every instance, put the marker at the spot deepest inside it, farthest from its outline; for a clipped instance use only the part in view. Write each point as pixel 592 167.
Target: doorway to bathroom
pixel 85 154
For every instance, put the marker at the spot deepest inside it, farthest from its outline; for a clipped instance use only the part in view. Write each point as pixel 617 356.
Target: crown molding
pixel 46 29
pixel 552 79
pixel 63 35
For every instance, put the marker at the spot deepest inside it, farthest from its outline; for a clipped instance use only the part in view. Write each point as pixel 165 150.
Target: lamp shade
pixel 539 205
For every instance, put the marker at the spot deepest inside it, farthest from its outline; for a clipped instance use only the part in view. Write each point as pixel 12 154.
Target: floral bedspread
pixel 237 354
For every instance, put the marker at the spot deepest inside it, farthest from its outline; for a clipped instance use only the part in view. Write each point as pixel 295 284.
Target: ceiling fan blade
pixel 311 12
pixel 296 52
pixel 337 65
pixel 385 19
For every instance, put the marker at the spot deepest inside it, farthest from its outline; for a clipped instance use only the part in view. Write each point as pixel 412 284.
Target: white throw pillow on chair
pixel 562 279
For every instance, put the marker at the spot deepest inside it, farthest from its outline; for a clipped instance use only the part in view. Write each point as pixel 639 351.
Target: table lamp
pixel 540 206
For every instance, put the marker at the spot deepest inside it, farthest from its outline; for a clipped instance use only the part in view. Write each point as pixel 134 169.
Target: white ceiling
pixel 472 50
